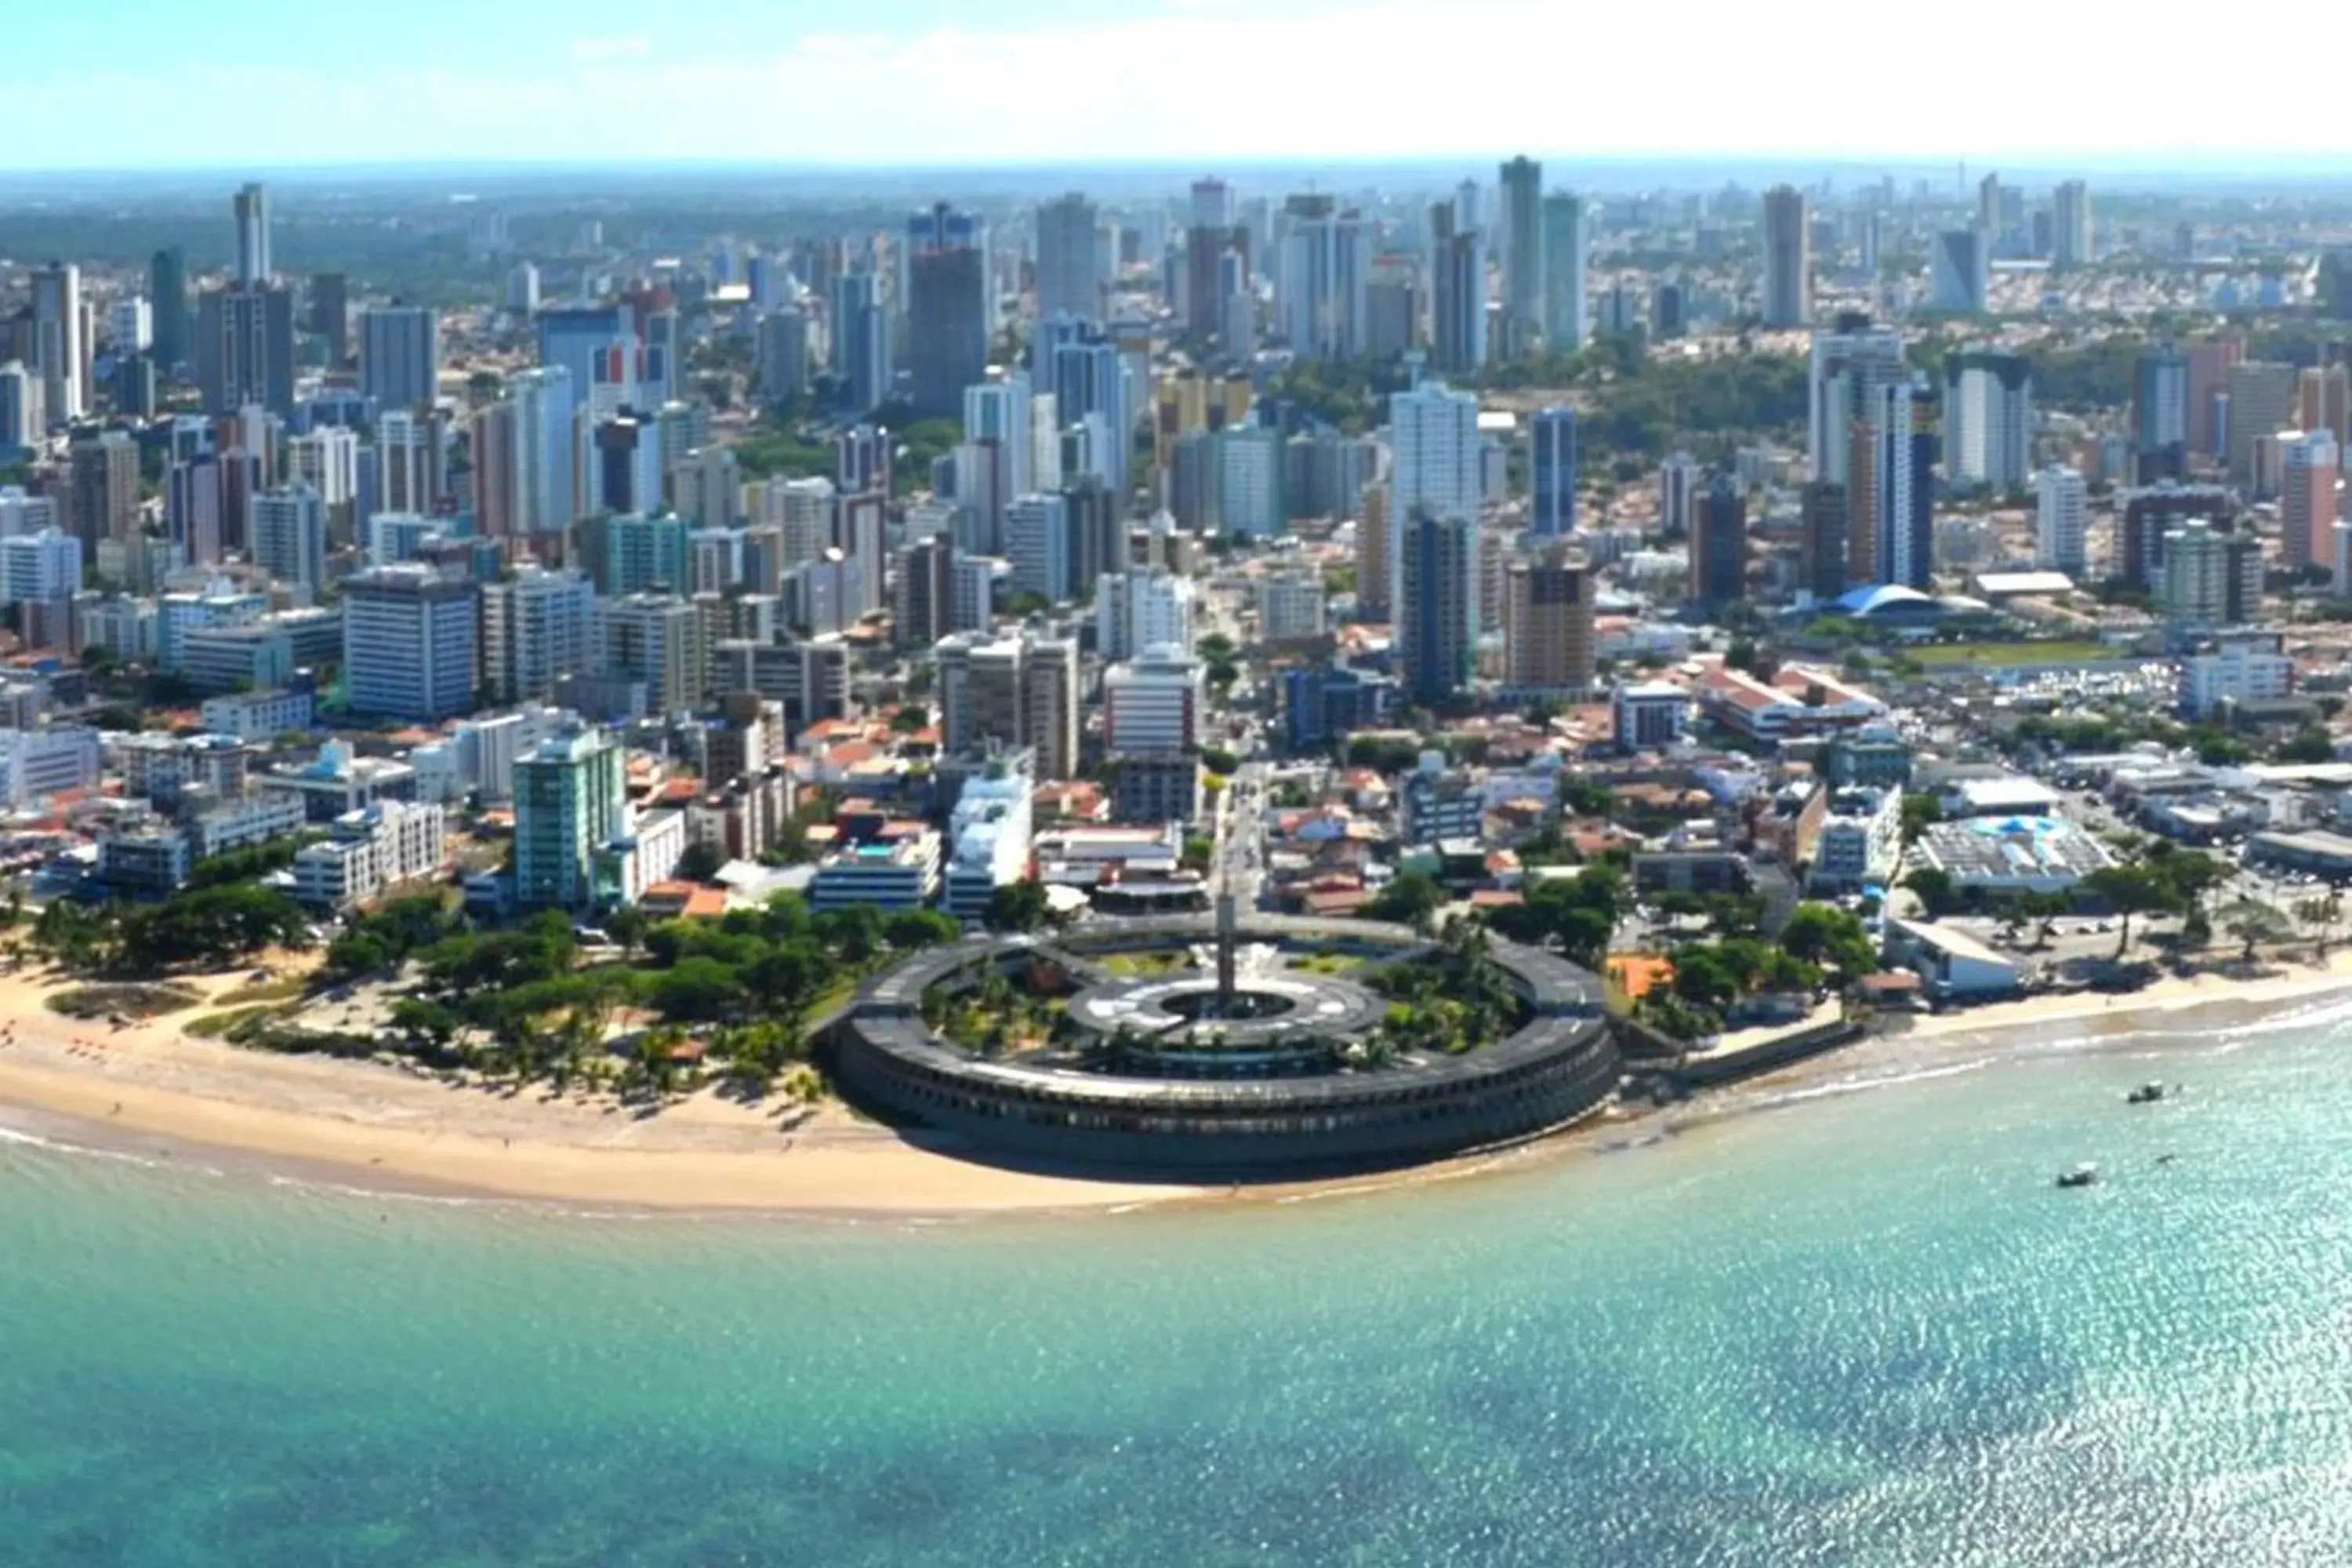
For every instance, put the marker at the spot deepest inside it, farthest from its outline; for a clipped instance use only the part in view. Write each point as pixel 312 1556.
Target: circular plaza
pixel 1275 1045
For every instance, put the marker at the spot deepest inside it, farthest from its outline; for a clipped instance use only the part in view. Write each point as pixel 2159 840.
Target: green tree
pixel 2128 890
pixel 1019 906
pixel 1920 812
pixel 1933 888
pixel 1412 898
pixel 1825 935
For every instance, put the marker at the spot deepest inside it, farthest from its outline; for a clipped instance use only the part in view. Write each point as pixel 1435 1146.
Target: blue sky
pixel 165 84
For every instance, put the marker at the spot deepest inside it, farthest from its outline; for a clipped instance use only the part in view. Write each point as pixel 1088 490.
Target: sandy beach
pixel 151 1086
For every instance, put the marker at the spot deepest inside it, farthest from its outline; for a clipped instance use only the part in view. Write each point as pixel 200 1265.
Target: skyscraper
pixel 288 531
pixel 409 642
pixel 1960 271
pixel 2261 403
pixel 2307 500
pixel 1718 545
pixel 23 419
pixel 948 318
pixel 571 802
pixel 244 349
pixel 1549 622
pixel 1788 259
pixel 537 628
pixel 61 348
pixel 1890 536
pixel 1458 295
pixel 1209 238
pixel 1824 512
pixel 1526 284
pixel 2071 233
pixel 331 313
pixel 782 362
pixel 1069 273
pixel 1437 604
pixel 1325 271
pixel 2061 519
pixel 1433 466
pixel 167 292
pixel 251 206
pixel 859 356
pixel 545 462
pixel 1989 419
pixel 400 355
pixel 1565 310
pixel 103 495
pixel 2161 406
pixel 1551 472
pixel 1846 362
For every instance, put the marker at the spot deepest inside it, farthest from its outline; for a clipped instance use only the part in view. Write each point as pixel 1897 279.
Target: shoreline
pixel 150 1092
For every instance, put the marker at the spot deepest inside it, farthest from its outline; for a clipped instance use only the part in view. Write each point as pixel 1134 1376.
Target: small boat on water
pixel 2147 1093
pixel 2082 1175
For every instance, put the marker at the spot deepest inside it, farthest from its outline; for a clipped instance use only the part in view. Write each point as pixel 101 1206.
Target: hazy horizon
pixel 1022 82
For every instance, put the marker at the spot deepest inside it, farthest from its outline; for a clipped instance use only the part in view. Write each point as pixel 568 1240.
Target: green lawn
pixel 1939 656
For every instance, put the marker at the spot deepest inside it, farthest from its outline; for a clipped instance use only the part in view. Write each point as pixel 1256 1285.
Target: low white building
pixel 2241 670
pixel 35 764
pixel 1952 963
pixel 2000 856
pixel 894 876
pixel 372 849
pixel 243 821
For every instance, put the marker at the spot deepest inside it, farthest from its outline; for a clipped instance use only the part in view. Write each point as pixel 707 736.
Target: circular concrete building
pixel 1258 1051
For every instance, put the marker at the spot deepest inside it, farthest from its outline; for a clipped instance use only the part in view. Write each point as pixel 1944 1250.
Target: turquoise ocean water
pixel 1861 1328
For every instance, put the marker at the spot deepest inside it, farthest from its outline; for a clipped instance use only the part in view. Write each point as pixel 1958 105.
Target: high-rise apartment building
pixel 410 644
pixel 1070 274
pixel 2261 403
pixel 400 355
pixel 570 804
pixel 287 531
pixel 1788 259
pixel 1847 362
pixel 1566 315
pixel 1437 613
pixel 2071 229
pixel 1547 622
pixel 1718 545
pixel 244 349
pixel 251 207
pixel 1526 292
pixel 1457 338
pixel 167 295
pixel 782 359
pixel 1989 419
pixel 1434 465
pixel 102 498
pixel 61 347
pixel 2161 405
pixel 538 627
pixel 2061 520
pixel 1823 510
pixel 1551 473
pixel 331 313
pixel 949 321
pixel 1321 301
pixel 1960 272
pixel 2307 506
